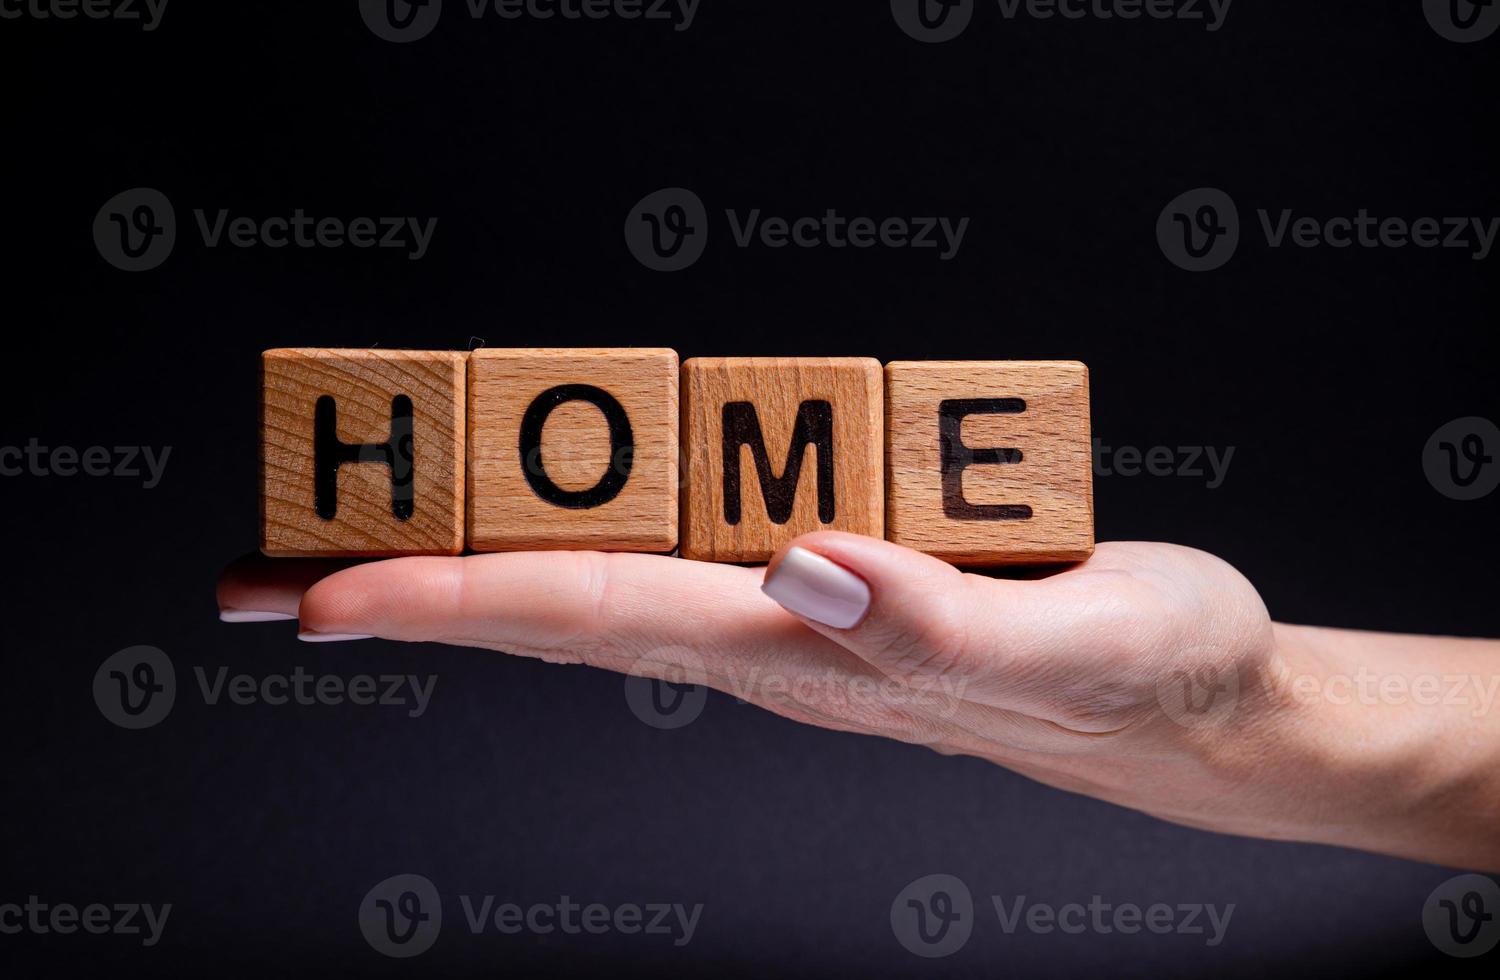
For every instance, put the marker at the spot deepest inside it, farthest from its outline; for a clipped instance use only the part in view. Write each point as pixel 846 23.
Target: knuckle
pixel 926 638
pixel 594 634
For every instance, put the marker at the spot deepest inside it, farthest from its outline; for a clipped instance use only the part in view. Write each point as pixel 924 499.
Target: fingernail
pixel 810 585
pixel 252 616
pixel 311 637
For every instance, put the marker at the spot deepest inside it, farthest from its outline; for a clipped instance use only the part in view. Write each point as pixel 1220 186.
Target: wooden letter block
pixel 990 462
pixel 777 447
pixel 362 452
pixel 573 449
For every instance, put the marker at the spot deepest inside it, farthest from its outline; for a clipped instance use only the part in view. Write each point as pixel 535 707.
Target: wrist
pixel 1388 743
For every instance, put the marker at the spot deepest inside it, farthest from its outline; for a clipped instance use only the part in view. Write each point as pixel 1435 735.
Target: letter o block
pixel 362 453
pixel 990 462
pixel 573 449
pixel 778 447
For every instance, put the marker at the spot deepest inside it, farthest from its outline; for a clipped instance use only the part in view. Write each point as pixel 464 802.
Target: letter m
pixel 742 428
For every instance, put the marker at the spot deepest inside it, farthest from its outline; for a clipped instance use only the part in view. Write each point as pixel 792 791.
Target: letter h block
pixel 362 453
pixel 778 447
pixel 990 462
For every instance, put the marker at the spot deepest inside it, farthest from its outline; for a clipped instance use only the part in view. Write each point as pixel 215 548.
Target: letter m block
pixel 778 447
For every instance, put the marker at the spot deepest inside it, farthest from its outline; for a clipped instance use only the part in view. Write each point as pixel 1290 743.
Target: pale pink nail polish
pixel 310 637
pixel 812 586
pixel 252 616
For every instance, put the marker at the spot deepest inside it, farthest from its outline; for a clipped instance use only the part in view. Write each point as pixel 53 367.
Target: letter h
pixel 329 453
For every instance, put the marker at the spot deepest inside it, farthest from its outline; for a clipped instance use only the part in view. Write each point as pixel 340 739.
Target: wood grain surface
pixel 778 388
pixel 363 384
pixel 1053 477
pixel 576 451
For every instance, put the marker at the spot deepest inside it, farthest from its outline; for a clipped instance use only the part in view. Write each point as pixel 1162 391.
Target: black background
pixel 1327 370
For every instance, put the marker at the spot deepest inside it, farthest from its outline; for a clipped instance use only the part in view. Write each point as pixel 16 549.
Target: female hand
pixel 1150 676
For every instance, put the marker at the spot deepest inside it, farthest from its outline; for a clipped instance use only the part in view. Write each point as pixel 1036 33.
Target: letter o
pixel 621 439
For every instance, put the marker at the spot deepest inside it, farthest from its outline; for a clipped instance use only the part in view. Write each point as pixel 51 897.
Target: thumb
pixel 921 621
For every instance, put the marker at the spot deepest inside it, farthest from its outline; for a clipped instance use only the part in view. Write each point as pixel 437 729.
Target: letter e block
pixel 990 462
pixel 362 452
pixel 778 447
pixel 573 449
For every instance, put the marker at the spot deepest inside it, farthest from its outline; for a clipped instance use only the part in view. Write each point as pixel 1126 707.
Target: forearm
pixel 1394 739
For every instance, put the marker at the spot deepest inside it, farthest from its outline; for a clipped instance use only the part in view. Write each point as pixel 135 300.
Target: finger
pixel 257 589
pixel 642 614
pixel 682 621
pixel 1008 644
